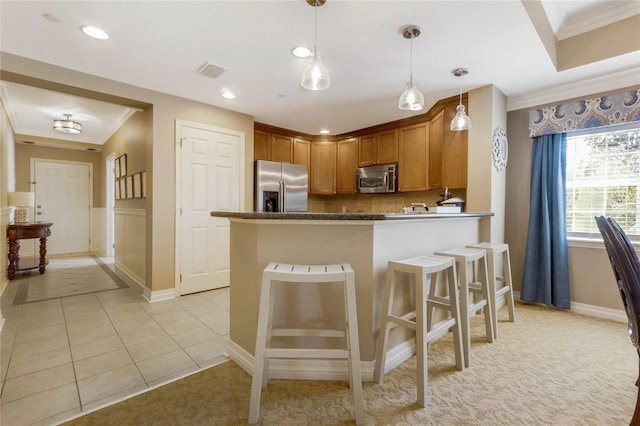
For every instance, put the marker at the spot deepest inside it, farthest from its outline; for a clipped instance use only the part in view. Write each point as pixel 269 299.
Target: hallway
pixel 78 338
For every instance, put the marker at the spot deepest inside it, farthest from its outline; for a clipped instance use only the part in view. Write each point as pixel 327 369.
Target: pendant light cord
pixel 411 62
pixel 315 31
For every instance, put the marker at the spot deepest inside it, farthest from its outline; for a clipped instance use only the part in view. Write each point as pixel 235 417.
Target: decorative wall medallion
pixel 500 150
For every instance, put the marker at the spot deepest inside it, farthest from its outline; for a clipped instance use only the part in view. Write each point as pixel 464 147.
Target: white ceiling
pixel 161 45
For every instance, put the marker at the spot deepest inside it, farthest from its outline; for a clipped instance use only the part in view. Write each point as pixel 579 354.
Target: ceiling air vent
pixel 210 70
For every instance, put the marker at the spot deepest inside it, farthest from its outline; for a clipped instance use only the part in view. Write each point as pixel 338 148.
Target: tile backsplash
pixel 376 203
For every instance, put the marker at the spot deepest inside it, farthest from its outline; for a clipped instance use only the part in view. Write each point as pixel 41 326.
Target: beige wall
pixel 7 156
pixel 132 139
pixel 590 275
pixel 485 186
pixel 6 184
pixel 160 150
pixel 24 154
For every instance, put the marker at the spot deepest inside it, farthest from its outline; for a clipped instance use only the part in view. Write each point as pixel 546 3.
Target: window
pixel 603 178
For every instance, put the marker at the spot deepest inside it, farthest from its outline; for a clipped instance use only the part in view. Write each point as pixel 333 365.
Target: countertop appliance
pixel 280 187
pixel 376 179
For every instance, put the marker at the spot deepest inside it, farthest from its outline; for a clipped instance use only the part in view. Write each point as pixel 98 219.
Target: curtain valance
pixel 606 110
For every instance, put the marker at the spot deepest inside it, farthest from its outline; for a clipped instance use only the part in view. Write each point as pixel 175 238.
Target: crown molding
pixel 608 13
pixel 605 83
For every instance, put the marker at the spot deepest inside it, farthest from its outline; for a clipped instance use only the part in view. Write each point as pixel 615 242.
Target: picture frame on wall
pixel 144 184
pixel 123 165
pixel 116 165
pixel 137 185
pixel 123 189
pixel 117 190
pixel 129 185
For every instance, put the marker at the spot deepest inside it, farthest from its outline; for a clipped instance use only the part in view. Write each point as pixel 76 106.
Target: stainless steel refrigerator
pixel 280 187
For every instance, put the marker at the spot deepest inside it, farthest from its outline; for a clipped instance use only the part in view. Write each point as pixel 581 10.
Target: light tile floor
pixel 64 355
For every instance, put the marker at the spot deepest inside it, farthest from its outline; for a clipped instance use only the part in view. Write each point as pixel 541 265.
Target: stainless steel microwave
pixel 377 179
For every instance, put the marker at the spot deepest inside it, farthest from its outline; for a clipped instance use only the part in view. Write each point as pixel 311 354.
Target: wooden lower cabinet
pixel 413 164
pixel 322 175
pixel 347 163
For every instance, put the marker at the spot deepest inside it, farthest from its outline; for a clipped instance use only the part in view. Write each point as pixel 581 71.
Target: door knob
pixel 39 213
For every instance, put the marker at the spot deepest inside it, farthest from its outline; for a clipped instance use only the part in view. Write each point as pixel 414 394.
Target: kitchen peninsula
pixel 365 240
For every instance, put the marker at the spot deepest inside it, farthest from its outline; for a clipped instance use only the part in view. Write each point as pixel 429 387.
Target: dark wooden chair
pixel 626 269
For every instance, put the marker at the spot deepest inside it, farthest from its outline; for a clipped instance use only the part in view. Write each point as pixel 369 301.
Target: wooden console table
pixel 23 231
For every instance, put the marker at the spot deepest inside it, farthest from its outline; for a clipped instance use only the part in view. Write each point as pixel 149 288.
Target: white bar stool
pixel 493 250
pixel 425 270
pixel 472 277
pixel 306 274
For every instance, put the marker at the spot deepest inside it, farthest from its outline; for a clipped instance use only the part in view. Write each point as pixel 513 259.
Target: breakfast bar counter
pixel 365 240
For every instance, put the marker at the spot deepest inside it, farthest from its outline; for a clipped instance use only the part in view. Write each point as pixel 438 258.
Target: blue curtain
pixel 546 265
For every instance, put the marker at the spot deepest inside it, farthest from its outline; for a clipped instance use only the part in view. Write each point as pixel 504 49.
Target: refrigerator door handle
pixel 283 196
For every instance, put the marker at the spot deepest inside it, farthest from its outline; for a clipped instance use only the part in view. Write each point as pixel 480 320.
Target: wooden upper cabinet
pixel 436 146
pixel 261 145
pixel 455 152
pixel 413 161
pixel 388 147
pixel 302 152
pixel 323 167
pixel 378 148
pixel 367 150
pixel 347 163
pixel 281 148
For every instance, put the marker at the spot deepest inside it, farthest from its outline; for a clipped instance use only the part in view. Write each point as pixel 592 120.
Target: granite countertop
pixel 345 216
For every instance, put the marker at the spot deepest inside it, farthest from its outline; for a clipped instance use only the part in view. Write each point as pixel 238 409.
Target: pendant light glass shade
pixel 315 75
pixel 461 120
pixel 411 99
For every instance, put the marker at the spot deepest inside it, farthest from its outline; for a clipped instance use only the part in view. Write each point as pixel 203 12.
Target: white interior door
pixel 62 197
pixel 210 179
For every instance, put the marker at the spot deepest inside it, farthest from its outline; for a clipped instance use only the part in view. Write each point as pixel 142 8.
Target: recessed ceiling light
pixel 324 131
pixel 95 33
pixel 227 94
pixel 301 52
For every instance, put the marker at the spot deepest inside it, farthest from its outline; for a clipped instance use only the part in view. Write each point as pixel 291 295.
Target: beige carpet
pixel 548 368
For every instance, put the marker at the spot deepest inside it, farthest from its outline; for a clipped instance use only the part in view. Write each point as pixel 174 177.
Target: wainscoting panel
pixel 99 230
pixel 130 243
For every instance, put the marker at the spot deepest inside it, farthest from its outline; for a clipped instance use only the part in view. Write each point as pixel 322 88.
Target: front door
pixel 210 179
pixel 63 197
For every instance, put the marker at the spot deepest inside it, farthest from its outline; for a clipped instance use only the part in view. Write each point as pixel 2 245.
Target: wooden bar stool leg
pixel 463 279
pixel 488 310
pixel 422 363
pixel 385 325
pixel 264 324
pixel 355 379
pixel 507 281
pixel 492 289
pixel 455 312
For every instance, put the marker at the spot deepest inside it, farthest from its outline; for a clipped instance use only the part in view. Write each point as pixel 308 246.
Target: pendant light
pixel 461 120
pixel 411 99
pixel 315 75
pixel 67 126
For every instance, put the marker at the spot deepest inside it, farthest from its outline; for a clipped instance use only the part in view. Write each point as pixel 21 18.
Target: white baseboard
pixel 159 295
pixel 589 310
